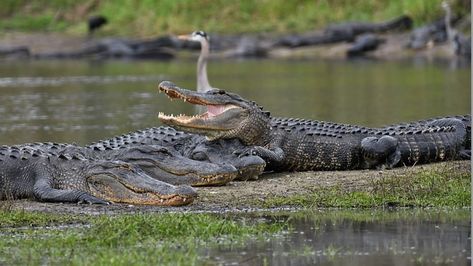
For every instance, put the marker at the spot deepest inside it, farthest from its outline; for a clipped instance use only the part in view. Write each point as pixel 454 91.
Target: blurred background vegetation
pixel 154 17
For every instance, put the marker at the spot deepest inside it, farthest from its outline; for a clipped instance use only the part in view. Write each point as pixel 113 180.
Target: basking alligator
pixel 55 175
pixel 297 144
pixel 345 32
pixel 162 163
pixel 213 163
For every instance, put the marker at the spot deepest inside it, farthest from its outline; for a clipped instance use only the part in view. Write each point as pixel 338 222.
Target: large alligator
pixel 56 175
pixel 297 144
pixel 162 163
pixel 209 159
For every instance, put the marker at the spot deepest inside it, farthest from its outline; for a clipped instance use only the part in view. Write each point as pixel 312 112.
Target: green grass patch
pixel 23 218
pixel 435 188
pixel 153 239
pixel 152 17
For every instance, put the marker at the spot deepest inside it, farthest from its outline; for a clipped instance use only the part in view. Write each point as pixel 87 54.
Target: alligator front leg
pixel 45 192
pixel 383 152
pixel 270 155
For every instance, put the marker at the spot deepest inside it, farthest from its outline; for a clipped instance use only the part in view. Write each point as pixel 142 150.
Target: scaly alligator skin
pixel 297 144
pixel 417 142
pixel 46 172
pixel 162 163
pixel 208 158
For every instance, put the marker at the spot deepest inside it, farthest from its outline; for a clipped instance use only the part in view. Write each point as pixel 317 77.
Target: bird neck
pixel 448 25
pixel 202 80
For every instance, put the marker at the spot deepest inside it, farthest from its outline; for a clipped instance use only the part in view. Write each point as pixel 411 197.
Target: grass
pixel 433 188
pixel 152 17
pixel 153 239
pixel 9 218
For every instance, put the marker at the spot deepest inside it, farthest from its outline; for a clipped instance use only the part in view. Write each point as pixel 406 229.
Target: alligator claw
pixel 87 199
pixel 247 152
pixel 465 154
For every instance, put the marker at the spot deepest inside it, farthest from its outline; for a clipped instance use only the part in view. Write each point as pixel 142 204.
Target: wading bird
pixel 202 80
pixel 461 45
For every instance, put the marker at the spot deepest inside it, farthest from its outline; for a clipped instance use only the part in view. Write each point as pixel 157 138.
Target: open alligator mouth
pixel 216 116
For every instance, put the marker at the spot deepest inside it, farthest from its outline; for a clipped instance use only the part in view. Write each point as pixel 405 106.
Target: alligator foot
pixel 380 152
pixel 88 199
pixel 465 154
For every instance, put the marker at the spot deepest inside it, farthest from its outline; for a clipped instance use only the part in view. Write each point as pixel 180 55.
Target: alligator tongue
pixel 213 110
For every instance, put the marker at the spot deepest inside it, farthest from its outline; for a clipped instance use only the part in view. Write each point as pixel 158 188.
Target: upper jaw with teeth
pixel 207 115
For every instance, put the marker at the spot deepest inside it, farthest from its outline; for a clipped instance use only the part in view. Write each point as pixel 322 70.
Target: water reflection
pixel 80 101
pixel 406 237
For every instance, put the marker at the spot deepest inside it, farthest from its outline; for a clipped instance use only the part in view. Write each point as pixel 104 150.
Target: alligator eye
pixel 125 166
pixel 199 156
pixel 221 92
pixel 165 151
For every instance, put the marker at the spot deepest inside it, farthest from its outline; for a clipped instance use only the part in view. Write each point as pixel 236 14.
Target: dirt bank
pixel 244 196
pixel 392 49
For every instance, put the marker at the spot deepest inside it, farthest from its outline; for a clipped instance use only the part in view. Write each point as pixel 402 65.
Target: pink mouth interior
pixel 214 110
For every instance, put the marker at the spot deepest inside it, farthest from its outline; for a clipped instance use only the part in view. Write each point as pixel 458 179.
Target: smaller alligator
pixel 430 34
pixel 364 43
pixel 158 48
pixel 298 144
pixel 27 171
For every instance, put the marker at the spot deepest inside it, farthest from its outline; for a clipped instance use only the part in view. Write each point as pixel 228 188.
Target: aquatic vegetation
pixel 121 239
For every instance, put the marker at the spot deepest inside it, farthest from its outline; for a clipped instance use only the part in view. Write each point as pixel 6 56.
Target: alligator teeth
pixel 161 200
pixel 184 200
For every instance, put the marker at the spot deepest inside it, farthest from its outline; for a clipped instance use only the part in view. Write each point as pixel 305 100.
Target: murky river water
pixel 81 102
pixel 354 237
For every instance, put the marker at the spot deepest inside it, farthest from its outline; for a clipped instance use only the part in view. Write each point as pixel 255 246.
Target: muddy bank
pixel 55 45
pixel 250 195
pixel 391 39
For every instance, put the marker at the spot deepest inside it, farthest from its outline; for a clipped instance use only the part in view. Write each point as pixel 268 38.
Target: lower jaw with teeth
pixel 214 181
pixel 176 201
pixel 156 201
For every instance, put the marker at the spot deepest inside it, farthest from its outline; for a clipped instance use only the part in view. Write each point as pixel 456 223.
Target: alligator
pixel 209 158
pixel 55 175
pixel 364 43
pixel 161 163
pixel 430 34
pixel 298 144
pixel 345 32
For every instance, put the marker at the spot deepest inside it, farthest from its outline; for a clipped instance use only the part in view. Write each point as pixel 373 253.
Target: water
pixel 83 101
pixel 354 237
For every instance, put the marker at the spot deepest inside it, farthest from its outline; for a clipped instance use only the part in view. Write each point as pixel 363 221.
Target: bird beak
pixel 184 37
